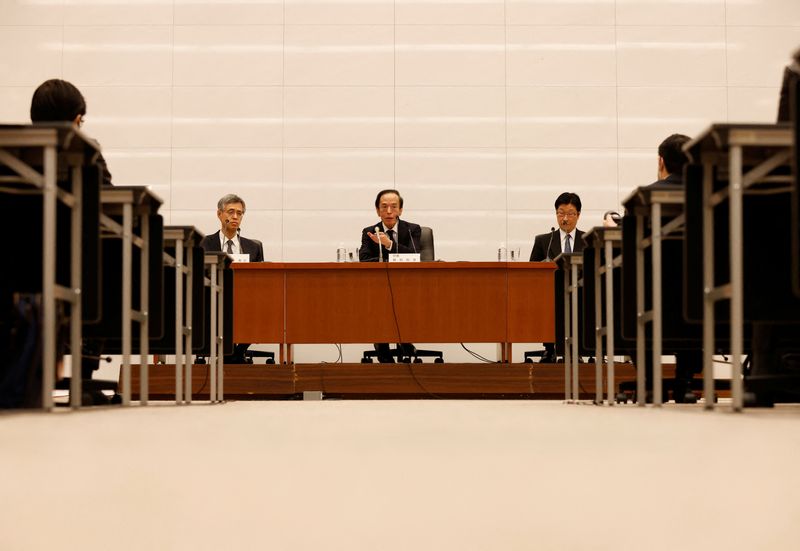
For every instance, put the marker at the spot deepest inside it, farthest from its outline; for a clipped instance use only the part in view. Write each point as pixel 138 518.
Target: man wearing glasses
pixel 567 238
pixel 392 236
pixel 230 211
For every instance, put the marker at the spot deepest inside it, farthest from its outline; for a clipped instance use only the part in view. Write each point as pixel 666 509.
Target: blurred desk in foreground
pixel 448 302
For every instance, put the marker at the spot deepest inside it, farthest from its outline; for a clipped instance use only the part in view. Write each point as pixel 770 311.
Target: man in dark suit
pixel 230 211
pixel 547 246
pixel 671 160
pixel 791 74
pixel 393 236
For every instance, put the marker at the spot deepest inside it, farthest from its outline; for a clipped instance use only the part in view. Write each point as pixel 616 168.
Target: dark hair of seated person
pixel 568 198
pixel 57 100
pixel 671 150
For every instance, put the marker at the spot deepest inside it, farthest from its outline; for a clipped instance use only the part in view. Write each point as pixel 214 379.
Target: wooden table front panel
pixel 434 302
pixel 531 302
pixel 258 305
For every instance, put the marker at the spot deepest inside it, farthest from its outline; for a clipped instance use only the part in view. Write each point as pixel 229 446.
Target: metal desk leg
pixel 610 322
pixel 127 286
pixel 212 360
pixel 144 320
pixel 708 285
pixel 598 331
pixel 49 278
pixel 656 310
pixel 567 339
pixel 575 338
pixel 76 321
pixel 187 348
pixel 737 279
pixel 221 331
pixel 641 398
pixel 178 322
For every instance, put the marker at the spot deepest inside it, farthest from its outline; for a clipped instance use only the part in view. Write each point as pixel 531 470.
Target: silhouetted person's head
pixel 57 100
pixel 671 157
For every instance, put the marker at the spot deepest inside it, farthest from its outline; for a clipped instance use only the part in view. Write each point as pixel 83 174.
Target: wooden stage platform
pixel 357 380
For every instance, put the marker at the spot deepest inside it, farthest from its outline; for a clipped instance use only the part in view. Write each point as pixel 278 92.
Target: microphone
pixel 380 245
pixel 552 233
pixel 412 241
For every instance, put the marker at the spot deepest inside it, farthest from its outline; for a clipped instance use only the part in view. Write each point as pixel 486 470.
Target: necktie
pixel 230 246
pixel 390 233
pixel 567 247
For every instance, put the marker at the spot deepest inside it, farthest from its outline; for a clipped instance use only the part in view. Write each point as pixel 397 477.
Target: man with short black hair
pixel 569 238
pixel 671 160
pixel 547 246
pixel 791 74
pixel 57 100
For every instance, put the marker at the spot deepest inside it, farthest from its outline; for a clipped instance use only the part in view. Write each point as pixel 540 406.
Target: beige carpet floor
pixel 398 475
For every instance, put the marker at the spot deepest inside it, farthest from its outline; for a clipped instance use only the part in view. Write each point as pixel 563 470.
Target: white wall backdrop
pixel 479 111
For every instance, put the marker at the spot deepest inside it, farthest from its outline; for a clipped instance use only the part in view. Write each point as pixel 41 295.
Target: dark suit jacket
pixel 539 251
pixel 790 78
pixel 252 247
pixel 407 240
pixel 670 180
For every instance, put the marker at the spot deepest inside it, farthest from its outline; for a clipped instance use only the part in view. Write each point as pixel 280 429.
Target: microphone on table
pixel 552 233
pixel 412 241
pixel 380 245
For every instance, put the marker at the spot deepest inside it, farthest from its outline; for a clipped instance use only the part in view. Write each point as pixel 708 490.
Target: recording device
pixel 611 218
pixel 552 233
pixel 412 242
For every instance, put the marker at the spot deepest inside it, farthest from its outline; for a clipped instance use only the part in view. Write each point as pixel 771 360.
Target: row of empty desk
pixel 104 252
pixel 681 252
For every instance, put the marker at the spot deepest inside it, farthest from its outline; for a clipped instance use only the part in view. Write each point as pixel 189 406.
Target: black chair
pixel 251 355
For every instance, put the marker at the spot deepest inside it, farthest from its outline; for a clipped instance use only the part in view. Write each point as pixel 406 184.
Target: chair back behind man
pixel 426 250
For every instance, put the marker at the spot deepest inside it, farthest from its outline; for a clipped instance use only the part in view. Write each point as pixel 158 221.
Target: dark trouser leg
pixel 549 356
pixel 384 353
pixel 238 356
pixel 687 364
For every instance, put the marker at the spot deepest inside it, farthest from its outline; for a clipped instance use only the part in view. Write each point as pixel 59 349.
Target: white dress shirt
pixel 236 248
pixel 563 236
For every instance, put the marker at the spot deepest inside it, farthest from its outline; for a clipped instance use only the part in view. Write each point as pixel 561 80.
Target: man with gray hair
pixel 230 211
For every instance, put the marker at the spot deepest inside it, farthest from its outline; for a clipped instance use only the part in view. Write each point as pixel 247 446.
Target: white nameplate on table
pixel 404 257
pixel 240 257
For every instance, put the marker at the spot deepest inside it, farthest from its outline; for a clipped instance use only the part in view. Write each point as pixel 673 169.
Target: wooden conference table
pixel 429 302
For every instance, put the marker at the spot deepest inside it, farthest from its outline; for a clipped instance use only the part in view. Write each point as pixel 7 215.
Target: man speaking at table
pixel 394 235
pixel 390 235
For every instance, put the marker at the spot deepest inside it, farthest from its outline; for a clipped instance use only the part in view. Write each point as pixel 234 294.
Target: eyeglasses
pixel 562 214
pixel 384 208
pixel 234 212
